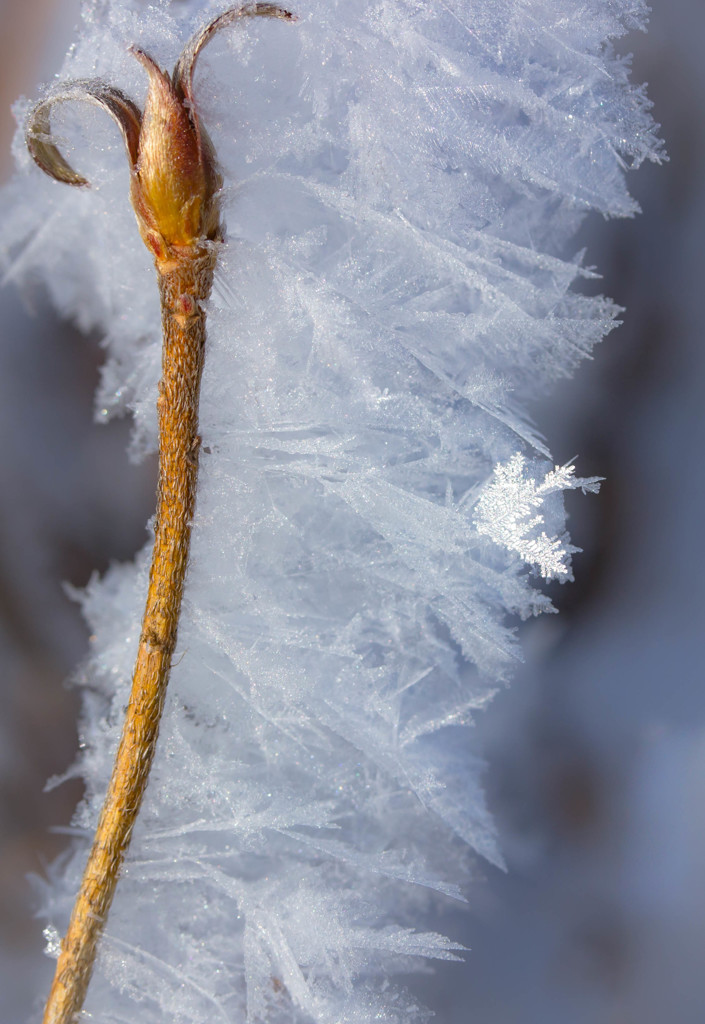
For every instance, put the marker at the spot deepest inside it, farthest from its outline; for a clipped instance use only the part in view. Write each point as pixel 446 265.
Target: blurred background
pixel 596 752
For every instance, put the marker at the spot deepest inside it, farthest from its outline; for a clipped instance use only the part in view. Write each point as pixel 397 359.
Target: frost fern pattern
pixel 511 512
pixel 402 184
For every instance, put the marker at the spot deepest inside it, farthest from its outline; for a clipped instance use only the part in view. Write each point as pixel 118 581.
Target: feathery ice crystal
pixel 508 513
pixel 401 182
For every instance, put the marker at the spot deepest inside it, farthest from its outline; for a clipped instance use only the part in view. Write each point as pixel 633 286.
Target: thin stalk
pixel 184 284
pixel 174 190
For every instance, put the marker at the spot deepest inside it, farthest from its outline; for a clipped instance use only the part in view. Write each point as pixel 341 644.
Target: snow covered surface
pixel 404 181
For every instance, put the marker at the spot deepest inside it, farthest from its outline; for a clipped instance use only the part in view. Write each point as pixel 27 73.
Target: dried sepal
pixel 186 64
pixel 113 101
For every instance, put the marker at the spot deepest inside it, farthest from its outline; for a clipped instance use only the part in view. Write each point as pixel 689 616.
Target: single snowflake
pixel 511 511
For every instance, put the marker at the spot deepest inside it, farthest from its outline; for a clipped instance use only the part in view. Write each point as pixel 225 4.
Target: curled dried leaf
pixel 186 64
pixel 113 101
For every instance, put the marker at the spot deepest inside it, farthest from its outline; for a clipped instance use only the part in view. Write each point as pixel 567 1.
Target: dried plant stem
pixel 184 283
pixel 174 191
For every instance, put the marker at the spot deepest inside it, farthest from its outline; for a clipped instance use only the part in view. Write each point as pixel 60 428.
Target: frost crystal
pixel 52 942
pixel 402 181
pixel 508 513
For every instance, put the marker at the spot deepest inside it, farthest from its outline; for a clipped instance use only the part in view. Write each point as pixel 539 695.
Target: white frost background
pixel 352 536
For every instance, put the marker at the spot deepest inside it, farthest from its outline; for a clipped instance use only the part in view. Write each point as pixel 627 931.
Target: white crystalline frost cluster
pixel 508 513
pixel 403 179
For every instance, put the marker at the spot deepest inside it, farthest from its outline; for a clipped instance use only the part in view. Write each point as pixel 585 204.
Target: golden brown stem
pixel 174 186
pixel 184 283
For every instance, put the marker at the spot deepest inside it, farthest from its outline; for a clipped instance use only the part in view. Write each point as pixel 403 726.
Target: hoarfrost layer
pixel 402 180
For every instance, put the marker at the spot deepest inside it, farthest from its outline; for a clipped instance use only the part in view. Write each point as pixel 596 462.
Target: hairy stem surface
pixel 184 283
